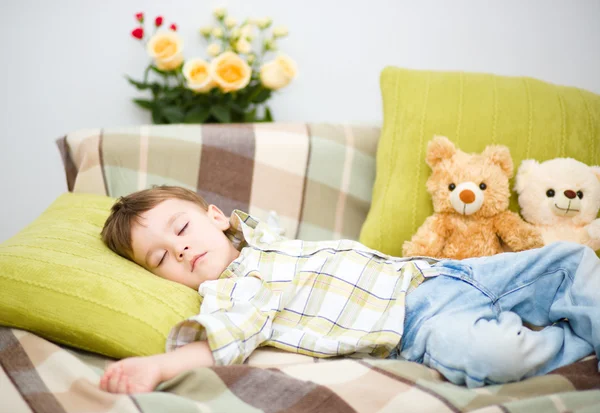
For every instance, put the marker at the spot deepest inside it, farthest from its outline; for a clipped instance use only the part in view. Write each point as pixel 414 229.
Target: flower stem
pixel 146 73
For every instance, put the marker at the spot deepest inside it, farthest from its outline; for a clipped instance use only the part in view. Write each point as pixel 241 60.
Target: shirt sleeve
pixel 235 318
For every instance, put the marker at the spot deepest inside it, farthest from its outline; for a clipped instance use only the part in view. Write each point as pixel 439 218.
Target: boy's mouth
pixel 195 259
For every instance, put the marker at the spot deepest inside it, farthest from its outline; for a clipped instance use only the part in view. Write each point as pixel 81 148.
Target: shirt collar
pixel 247 230
pixel 242 226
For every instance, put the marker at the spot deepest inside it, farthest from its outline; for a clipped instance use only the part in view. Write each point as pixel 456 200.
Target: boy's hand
pixel 142 374
pixel 132 375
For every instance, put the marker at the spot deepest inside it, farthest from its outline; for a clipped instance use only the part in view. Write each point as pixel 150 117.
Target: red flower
pixel 173 27
pixel 138 33
pixel 140 17
pixel 158 21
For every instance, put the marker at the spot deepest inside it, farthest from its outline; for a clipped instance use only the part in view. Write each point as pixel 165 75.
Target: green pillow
pixel 534 119
pixel 58 280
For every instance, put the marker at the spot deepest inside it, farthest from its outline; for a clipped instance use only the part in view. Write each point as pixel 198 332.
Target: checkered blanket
pixel 318 178
pixel 38 376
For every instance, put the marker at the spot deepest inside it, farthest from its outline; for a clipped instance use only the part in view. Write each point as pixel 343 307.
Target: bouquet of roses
pixel 233 86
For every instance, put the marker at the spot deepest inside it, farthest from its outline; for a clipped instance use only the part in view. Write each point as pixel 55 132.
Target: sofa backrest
pixel 318 178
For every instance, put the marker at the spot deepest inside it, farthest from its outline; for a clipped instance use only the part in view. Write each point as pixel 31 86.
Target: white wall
pixel 63 61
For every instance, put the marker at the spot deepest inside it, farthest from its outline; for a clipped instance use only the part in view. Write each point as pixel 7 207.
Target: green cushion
pixel 58 280
pixel 534 119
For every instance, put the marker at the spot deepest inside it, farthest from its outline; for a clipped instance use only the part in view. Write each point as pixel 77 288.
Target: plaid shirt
pixel 322 299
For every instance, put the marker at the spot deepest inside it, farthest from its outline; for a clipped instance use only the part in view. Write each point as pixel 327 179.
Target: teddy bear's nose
pixel 467 196
pixel 570 194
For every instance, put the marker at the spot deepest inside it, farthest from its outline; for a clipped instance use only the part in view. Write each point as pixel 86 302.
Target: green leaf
pixel 157 117
pixel 236 108
pixel 139 85
pixel 156 89
pixel 221 112
pixel 262 96
pixel 173 93
pixel 199 99
pixel 157 70
pixel 250 116
pixel 144 103
pixel 268 115
pixel 173 114
pixel 198 114
pixel 253 93
pixel 172 72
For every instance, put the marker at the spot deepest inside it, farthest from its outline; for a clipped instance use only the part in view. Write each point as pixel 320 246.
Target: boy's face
pixel 181 242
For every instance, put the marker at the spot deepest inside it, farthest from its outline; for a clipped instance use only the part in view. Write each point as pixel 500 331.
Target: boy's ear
pixel 218 217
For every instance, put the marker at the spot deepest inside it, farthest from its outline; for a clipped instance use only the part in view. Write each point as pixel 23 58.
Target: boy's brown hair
pixel 116 233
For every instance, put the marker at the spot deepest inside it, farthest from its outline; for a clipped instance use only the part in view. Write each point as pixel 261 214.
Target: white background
pixel 63 64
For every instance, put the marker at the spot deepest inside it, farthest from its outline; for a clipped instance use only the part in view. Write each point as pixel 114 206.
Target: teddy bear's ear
pixel 596 171
pixel 500 155
pixel 438 149
pixel 524 174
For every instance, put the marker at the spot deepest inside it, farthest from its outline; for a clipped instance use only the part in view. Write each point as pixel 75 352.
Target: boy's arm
pixel 143 374
pixel 188 357
pixel 236 317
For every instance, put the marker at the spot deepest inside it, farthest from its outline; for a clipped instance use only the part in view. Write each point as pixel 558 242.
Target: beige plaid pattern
pixel 38 376
pixel 318 178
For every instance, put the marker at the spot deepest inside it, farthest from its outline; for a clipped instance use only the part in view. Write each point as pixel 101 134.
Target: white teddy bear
pixel 561 197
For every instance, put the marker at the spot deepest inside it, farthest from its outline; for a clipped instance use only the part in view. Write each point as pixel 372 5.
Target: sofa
pixel 319 181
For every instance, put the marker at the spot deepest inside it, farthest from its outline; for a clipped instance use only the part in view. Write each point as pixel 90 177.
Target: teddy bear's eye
pixel 482 186
pixel 550 193
pixel 452 187
pixel 580 194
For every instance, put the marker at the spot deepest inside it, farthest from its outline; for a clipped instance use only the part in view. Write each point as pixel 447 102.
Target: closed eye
pixel 183 229
pixel 162 259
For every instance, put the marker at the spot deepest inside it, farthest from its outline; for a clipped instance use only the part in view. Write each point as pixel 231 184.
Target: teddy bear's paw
pixel 408 249
pixel 525 239
pixel 412 249
pixel 593 229
pixel 533 239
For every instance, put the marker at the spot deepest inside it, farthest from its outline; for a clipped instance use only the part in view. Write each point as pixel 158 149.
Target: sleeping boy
pixel 332 298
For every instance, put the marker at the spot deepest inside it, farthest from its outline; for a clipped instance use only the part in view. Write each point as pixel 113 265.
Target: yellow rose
pixel 280 31
pixel 217 32
pixel 213 49
pixel 230 22
pixel 247 31
pixel 206 31
pixel 243 46
pixel 264 22
pixel 278 73
pixel 196 72
pixel 230 71
pixel 165 47
pixel 220 12
pixel 270 45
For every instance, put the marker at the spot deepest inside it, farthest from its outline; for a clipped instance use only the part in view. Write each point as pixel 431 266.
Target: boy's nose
pixel 182 251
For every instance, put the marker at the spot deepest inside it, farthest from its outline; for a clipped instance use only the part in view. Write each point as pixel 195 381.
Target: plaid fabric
pixel 38 376
pixel 318 178
pixel 319 298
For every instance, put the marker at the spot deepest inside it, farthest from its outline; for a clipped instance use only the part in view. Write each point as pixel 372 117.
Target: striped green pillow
pixel 58 280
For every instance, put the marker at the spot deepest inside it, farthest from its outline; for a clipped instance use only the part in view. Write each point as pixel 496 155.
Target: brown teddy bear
pixel 470 195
